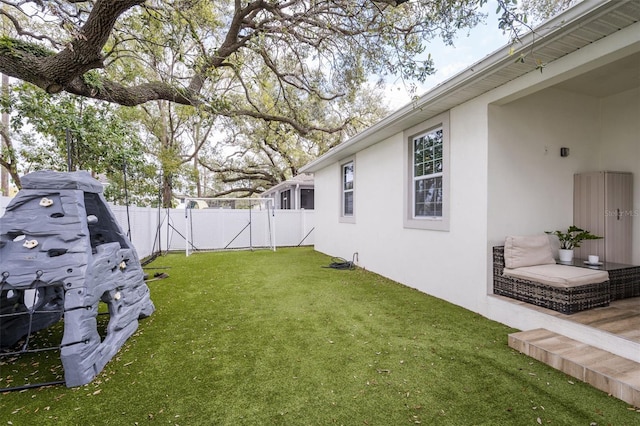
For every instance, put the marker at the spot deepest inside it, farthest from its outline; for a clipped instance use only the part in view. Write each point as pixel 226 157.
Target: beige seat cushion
pixel 559 275
pixel 527 250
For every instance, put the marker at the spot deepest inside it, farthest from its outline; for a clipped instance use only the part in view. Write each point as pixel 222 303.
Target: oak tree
pixel 321 48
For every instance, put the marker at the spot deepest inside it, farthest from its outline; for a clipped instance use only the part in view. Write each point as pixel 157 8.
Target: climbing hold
pixel 30 244
pixel 117 296
pixel 56 252
pixel 123 265
pixel 46 202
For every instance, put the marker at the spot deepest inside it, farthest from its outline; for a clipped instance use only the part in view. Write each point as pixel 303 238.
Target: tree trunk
pixel 167 190
pixel 197 175
pixel 9 163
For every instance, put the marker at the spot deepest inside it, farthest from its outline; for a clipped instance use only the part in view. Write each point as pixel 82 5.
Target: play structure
pixel 61 254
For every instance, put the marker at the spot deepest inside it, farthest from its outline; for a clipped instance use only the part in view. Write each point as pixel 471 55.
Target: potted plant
pixel 570 240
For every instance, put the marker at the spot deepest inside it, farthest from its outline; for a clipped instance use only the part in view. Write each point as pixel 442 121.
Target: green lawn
pixel 264 338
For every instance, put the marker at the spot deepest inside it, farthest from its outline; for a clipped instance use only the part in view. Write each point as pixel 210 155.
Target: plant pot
pixel 565 255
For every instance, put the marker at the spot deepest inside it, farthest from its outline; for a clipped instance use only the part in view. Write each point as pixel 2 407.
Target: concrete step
pixel 613 374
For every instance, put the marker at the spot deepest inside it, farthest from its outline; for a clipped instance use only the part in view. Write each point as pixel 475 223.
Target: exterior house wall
pixel 332 237
pixel 620 148
pixel 424 259
pixel 531 186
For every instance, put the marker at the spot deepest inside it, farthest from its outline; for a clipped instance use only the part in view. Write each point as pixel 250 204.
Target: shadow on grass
pixel 36 361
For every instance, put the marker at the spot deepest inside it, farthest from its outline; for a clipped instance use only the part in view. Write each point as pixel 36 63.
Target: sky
pixel 449 60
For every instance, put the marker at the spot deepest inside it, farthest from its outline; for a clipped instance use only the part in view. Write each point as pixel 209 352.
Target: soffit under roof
pixel 611 79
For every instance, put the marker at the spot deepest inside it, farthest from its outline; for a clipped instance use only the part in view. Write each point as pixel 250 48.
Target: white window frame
pixel 286 197
pixel 344 217
pixel 435 223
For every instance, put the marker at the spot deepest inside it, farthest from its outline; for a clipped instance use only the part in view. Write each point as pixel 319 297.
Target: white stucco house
pixel 495 132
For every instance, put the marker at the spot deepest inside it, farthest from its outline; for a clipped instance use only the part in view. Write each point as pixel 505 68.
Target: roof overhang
pixel 583 24
pixel 301 180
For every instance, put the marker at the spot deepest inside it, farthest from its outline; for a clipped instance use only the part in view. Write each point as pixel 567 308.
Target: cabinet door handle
pixel 619 214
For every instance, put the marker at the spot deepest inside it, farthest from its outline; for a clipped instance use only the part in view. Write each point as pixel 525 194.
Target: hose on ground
pixel 340 263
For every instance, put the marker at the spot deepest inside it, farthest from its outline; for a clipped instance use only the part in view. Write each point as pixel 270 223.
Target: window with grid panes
pixel 347 189
pixel 428 171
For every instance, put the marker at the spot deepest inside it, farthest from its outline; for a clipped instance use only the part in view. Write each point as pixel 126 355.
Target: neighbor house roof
pixel 301 179
pixel 583 24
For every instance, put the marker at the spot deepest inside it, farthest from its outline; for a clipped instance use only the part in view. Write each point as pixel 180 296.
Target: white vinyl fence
pixel 214 229
pixel 155 230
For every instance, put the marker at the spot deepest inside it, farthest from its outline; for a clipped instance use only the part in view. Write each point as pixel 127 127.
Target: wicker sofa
pixel 565 289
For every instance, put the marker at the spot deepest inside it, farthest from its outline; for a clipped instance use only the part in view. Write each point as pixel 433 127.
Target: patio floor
pixel 618 376
pixel 621 317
